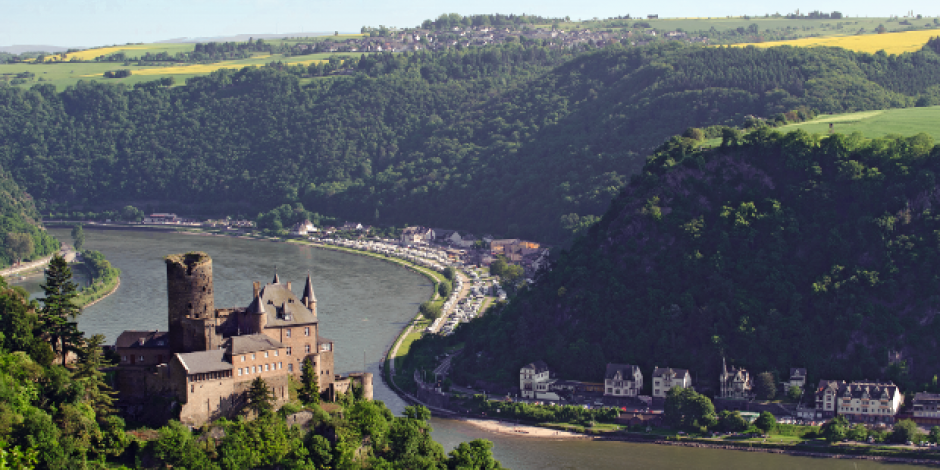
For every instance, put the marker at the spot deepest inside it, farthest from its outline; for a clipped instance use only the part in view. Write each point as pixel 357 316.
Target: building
pixel 303 228
pixel 869 402
pixel 161 218
pixel 926 408
pixel 825 395
pixel 446 237
pixel 416 235
pixel 735 383
pixel 623 380
pixel 208 357
pixel 533 379
pixel 797 378
pixel 667 378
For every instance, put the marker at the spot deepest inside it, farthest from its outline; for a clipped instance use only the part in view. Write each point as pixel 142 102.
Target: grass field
pixel 891 43
pixel 66 74
pixel 874 124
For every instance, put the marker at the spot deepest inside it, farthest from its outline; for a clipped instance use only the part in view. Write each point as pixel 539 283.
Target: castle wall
pixel 201 334
pixel 189 292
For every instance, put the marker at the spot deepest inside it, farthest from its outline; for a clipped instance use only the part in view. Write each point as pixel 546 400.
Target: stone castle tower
pixel 191 313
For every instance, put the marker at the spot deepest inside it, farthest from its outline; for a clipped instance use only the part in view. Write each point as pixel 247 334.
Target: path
pixel 8 272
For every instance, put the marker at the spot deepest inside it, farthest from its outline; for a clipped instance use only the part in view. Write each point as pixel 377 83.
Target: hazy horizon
pixel 90 23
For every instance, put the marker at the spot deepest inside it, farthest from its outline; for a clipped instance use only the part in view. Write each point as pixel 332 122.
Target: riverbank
pixel 523 430
pixel 111 287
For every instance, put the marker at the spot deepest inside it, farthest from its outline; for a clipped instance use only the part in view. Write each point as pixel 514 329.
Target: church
pixel 208 357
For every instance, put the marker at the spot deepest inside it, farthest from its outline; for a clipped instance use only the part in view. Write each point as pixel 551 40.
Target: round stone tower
pixel 367 385
pixel 189 291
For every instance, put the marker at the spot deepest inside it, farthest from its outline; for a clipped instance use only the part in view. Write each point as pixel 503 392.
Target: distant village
pixel 478 36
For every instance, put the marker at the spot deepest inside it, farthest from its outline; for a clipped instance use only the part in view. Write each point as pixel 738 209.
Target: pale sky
pixel 103 22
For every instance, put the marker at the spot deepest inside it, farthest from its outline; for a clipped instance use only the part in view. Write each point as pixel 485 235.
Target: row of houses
pixel 862 401
pixel 306 228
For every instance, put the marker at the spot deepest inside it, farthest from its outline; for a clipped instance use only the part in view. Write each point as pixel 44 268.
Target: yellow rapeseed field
pixel 208 68
pixel 892 43
pixel 90 54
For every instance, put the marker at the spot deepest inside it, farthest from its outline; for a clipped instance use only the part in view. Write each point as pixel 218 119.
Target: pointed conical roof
pixel 308 291
pixel 277 280
pixel 256 306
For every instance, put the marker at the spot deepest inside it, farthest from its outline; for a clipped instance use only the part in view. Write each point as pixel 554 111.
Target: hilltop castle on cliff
pixel 209 356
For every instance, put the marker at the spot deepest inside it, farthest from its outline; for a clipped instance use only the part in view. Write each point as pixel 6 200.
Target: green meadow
pixel 874 124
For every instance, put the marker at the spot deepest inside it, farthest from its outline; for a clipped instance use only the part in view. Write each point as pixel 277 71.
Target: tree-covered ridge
pixel 779 251
pixel 20 236
pixel 515 139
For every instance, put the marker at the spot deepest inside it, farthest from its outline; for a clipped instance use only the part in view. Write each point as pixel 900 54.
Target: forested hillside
pixel 20 236
pixel 779 251
pixel 516 139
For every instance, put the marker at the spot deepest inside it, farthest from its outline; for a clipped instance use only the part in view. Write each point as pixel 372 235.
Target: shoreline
pixel 106 295
pixel 534 430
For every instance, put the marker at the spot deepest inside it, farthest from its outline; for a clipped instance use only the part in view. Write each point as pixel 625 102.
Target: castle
pixel 208 357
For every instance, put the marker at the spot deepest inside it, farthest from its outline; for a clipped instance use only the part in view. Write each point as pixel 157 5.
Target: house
pixel 797 378
pixel 867 401
pixel 416 235
pixel 352 226
pixel 467 241
pixel 926 408
pixel 142 348
pixel 825 395
pixel 735 382
pixel 445 236
pixel 535 380
pixel 303 228
pixel 622 380
pixel 161 218
pixel 667 378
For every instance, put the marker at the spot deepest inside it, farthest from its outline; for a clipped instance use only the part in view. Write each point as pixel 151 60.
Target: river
pixel 363 304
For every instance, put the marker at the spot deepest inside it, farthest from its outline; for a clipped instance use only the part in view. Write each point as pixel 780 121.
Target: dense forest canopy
pixel 517 140
pixel 21 238
pixel 777 251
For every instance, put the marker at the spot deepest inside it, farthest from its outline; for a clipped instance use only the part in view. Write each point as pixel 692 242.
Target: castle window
pixel 265 367
pixel 239 371
pixel 123 358
pixel 290 367
pixel 288 351
pixel 280 365
pixel 141 358
pixel 252 356
pixel 275 353
pixel 307 331
pixel 287 331
pixel 265 354
pixel 252 369
pixel 306 350
pixel 243 358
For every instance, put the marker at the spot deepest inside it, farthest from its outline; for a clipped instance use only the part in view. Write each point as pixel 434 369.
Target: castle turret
pixel 257 317
pixel 309 299
pixel 189 292
pixel 277 280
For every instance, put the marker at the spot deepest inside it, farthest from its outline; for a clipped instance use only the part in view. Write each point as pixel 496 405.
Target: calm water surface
pixel 362 305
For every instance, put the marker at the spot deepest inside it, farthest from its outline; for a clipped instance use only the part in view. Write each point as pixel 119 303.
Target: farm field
pixel 891 43
pixel 875 124
pixel 65 74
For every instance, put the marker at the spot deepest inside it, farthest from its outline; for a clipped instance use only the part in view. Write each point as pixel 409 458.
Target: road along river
pixel 363 305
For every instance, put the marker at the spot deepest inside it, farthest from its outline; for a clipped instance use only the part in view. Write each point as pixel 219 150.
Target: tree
pixel 310 387
pixel 731 421
pixel 131 214
pixel 260 398
pixel 766 386
pixel 686 408
pixel 765 422
pixel 98 393
pixel 858 433
pixel 19 246
pixel 934 435
pixel 443 289
pixel 430 310
pixel 835 429
pixel 475 455
pixel 78 237
pixel 794 393
pixel 58 308
pixel 906 431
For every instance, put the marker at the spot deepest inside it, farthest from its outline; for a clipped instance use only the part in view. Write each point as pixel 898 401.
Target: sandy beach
pixel 522 430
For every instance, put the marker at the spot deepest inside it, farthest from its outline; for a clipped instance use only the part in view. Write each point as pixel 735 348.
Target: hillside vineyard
pixel 517 140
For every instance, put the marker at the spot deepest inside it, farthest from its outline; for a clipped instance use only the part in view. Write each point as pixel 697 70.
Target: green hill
pixel 782 251
pixel 20 234
pixel 517 140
